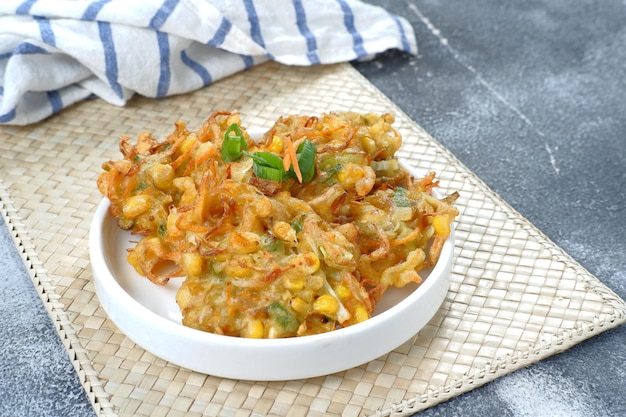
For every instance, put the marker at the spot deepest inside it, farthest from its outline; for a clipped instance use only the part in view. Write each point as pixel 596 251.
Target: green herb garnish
pixel 234 143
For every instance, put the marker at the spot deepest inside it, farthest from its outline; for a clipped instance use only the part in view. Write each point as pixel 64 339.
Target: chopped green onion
pixel 234 144
pixel 341 159
pixel 272 244
pixel 400 198
pixel 269 173
pixel 296 224
pixel 267 165
pixel 141 186
pixel 283 317
pixel 267 159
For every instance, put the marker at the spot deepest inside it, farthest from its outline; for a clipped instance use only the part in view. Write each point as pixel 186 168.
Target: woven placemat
pixel 515 297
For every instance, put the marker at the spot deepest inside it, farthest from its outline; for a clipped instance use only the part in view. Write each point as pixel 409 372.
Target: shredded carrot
pixel 182 158
pixel 203 158
pixel 290 158
pixel 286 161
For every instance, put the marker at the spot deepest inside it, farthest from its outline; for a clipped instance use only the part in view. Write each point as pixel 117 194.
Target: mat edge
pixel 77 355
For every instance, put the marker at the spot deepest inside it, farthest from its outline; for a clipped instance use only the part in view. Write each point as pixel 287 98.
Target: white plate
pixel 148 314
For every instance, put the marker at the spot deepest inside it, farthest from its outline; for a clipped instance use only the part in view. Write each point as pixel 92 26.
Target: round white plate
pixel 148 314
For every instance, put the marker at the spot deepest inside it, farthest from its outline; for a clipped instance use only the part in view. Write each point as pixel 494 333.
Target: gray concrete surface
pixel 36 376
pixel 530 95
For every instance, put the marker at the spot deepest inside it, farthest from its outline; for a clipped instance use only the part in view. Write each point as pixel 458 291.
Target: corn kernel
pixel 360 314
pixel 222 256
pixel 312 263
pixel 192 263
pixel 136 205
pixel 294 283
pixel 254 329
pixel 273 332
pixel 441 225
pixel 284 231
pixel 369 144
pixel 263 207
pixel 350 174
pixel 188 142
pixel 162 175
pixel 237 270
pixel 370 119
pixel 342 291
pixel 377 129
pixel 299 305
pixel 277 144
pixel 326 304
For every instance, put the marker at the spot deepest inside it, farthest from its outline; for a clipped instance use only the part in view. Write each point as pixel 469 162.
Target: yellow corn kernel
pixel 342 291
pixel 263 207
pixel 237 270
pixel 377 129
pixel 441 224
pixel 188 142
pixel 388 118
pixel 371 119
pixel 162 175
pixel 192 263
pixel 326 304
pixel 254 329
pixel 294 283
pixel 299 305
pixel 361 314
pixel 369 144
pixel 222 256
pixel 273 332
pixel 350 174
pixel 277 144
pixel 311 262
pixel 284 231
pixel 136 205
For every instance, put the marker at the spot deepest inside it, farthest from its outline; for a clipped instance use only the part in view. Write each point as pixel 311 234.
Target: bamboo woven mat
pixel 515 297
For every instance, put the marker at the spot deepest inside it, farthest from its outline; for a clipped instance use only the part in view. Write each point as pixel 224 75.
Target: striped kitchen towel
pixel 54 53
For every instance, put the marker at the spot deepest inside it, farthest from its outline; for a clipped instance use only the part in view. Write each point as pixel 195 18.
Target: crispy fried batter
pixel 261 258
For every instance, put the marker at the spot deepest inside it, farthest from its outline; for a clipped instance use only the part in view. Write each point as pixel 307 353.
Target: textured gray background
pixel 530 96
pixel 36 376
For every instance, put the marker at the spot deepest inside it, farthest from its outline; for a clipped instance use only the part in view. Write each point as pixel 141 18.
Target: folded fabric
pixel 54 53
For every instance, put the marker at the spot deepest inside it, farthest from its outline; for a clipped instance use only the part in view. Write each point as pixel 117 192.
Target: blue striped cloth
pixel 54 53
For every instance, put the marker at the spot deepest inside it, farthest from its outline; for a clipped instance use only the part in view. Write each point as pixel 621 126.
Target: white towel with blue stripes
pixel 54 53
